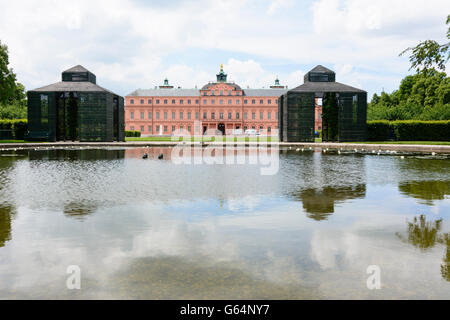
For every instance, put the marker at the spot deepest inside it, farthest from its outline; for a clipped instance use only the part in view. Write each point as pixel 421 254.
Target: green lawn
pixel 228 139
pixel 407 142
pixel 18 141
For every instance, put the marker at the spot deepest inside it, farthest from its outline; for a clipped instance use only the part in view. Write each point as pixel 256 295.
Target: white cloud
pixel 127 44
pixel 275 5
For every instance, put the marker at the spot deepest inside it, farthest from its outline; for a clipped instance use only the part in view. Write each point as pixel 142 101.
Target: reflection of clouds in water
pixel 245 203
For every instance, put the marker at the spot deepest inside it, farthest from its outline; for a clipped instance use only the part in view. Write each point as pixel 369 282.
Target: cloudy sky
pixel 133 44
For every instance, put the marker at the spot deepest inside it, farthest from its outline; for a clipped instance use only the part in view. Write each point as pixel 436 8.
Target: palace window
pixel 261 101
pixel 157 115
pixel 173 128
pixel 142 101
pixel 205 102
pixel 131 101
pixel 229 102
pixel 221 115
pixel 221 92
pixel 221 101
pixel 276 101
pixel 196 101
pixel 142 128
pixel 181 128
pixel 253 116
pixel 237 115
pixel 253 101
pixel 189 101
pixel 173 101
pixel 149 101
pixel 142 117
pixel 149 115
pixel 245 101
pixel 269 129
pixel 204 115
pixel 269 115
pixel 229 115
pixel 237 93
pixel 196 115
pixel 189 128
pixel 261 128
pixel 181 115
pixel 204 93
pixel 189 116
pixel 131 115
pixel 149 128
pixel 165 101
pixel 245 115
pixel 276 115
pixel 269 101
pixel 237 101
pixel 173 115
pixel 229 92
pixel 157 101
pixel 212 92
pixel 165 115
pixel 165 128
pixel 181 101
pixel 212 101
pixel 261 115
pixel 213 115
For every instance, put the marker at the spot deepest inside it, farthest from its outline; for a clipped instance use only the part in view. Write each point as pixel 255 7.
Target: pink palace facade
pixel 220 105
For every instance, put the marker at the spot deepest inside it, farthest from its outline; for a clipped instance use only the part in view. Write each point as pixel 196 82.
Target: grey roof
pixel 264 92
pixel 206 86
pixel 77 68
pixel 67 86
pixel 325 87
pixel 175 92
pixel 321 69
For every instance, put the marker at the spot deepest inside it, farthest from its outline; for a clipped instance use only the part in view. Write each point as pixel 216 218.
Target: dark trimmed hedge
pixel 131 133
pixel 13 129
pixel 408 130
pixel 378 130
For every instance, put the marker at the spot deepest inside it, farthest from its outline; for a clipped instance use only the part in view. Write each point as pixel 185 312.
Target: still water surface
pixel 150 229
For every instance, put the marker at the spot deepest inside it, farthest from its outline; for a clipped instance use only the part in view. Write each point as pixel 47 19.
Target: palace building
pixel 219 105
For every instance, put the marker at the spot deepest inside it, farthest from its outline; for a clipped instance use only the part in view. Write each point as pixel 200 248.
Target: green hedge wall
pixel 408 130
pixel 13 129
pixel 129 133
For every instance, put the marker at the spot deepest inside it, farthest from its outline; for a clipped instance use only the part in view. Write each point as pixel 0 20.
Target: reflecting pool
pixel 150 229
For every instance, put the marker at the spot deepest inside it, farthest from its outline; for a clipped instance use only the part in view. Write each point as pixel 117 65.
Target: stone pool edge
pixel 345 146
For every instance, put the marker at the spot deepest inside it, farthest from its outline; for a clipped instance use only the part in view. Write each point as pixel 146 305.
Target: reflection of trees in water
pixel 79 210
pixel 422 234
pixel 445 266
pixel 319 204
pixel 7 213
pixel 425 235
pixel 426 190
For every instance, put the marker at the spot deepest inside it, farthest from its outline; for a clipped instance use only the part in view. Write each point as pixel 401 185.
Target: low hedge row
pixel 131 133
pixel 408 130
pixel 13 129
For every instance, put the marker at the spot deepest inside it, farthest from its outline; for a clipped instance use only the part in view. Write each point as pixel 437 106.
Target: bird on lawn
pixel 145 156
pixel 161 156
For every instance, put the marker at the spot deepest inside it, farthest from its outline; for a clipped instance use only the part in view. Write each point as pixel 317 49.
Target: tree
pixel 429 54
pixel 12 93
pixel 7 77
